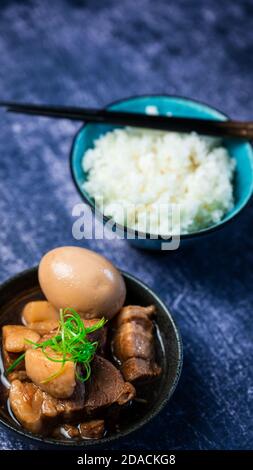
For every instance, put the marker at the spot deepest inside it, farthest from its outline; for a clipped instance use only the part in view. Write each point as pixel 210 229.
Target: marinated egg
pixel 82 279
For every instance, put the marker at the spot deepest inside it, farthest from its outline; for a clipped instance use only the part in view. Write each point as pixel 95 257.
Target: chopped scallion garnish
pixel 70 343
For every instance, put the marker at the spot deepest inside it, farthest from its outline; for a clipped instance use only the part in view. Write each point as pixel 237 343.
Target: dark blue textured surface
pixel 90 53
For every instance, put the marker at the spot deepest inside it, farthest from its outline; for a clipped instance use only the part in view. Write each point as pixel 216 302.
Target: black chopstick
pixel 243 130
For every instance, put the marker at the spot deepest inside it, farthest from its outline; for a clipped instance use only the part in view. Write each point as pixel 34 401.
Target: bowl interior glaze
pixel 24 287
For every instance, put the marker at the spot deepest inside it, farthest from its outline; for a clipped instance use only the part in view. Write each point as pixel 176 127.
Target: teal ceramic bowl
pixel 176 106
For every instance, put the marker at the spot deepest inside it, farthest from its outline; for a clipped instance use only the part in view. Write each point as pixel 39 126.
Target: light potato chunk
pixel 39 311
pixel 14 338
pixel 39 368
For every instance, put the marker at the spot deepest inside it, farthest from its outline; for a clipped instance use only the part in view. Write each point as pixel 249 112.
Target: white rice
pixel 140 169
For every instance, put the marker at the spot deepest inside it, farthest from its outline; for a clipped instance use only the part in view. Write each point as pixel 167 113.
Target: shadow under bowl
pixel 241 151
pixel 24 287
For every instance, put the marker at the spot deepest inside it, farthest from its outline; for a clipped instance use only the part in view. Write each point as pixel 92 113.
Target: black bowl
pixel 24 287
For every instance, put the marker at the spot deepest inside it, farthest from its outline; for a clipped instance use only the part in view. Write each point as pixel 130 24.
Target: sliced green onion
pixel 70 343
pixel 15 363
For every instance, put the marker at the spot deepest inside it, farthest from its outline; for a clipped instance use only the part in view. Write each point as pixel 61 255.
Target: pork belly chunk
pixel 133 343
pixel 38 411
pixel 132 340
pixel 92 429
pixel 135 313
pixel 137 368
pixel 26 402
pixel 14 337
pixel 14 344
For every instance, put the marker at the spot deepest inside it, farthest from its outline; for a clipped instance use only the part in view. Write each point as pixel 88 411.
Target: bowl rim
pixel 147 418
pixel 124 228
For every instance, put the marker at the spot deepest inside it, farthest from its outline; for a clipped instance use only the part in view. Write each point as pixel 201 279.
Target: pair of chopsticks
pixel 238 129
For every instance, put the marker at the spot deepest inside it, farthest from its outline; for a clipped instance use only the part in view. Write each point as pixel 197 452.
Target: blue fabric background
pixel 90 53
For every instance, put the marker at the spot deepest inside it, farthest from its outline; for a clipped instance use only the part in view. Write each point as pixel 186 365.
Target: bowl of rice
pixel 161 189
